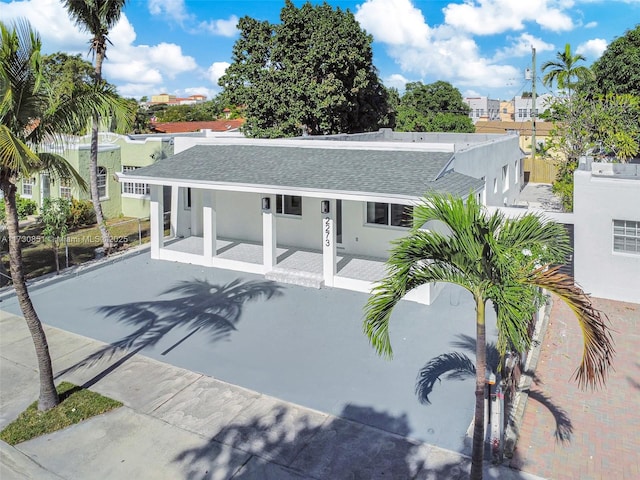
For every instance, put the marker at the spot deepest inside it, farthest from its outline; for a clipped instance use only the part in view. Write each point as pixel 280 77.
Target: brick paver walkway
pixel 605 438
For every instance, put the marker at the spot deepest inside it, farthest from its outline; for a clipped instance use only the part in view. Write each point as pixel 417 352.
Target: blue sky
pixel 482 47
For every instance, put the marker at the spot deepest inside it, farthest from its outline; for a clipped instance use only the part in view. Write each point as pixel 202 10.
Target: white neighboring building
pixel 336 201
pixel 523 107
pixel 483 108
pixel 607 230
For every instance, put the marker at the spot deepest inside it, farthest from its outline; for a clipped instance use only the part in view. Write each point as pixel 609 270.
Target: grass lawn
pixel 38 256
pixel 76 404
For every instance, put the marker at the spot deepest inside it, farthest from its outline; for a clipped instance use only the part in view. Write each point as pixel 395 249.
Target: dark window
pixel 289 205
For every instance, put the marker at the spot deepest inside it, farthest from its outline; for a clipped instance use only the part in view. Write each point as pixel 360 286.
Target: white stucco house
pixel 319 212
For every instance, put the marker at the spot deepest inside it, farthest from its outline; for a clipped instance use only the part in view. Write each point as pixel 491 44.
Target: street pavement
pixel 178 424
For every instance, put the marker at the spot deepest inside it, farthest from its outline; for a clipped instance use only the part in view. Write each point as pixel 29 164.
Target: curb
pixel 512 431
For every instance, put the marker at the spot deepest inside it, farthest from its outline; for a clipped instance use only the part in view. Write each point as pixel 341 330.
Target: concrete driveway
pixel 298 344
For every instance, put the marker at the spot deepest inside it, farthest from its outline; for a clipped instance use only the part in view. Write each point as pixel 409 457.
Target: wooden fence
pixel 540 170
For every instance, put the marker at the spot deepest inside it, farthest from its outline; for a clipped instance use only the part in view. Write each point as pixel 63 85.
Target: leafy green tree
pixel 31 114
pixel 498 260
pixel 436 107
pixel 63 72
pixel 604 126
pixel 97 17
pixel 54 215
pixel 565 71
pixel 618 69
pixel 312 72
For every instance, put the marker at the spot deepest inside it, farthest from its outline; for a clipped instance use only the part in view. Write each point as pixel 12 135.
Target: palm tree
pixel 565 69
pixel 29 115
pixel 502 260
pixel 97 17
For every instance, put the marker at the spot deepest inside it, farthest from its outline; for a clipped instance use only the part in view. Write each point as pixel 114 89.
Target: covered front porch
pixel 331 265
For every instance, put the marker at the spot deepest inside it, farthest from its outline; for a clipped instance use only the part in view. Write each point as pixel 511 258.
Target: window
pixel 27 186
pixel 65 188
pixel 102 182
pixel 505 178
pixel 516 173
pixel 289 205
pixel 134 188
pixel 626 236
pixel 504 110
pixel 389 214
pixel 495 185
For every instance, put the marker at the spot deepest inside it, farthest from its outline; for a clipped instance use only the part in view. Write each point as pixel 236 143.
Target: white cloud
pixel 216 70
pixel 173 10
pixel 593 48
pixel 58 35
pixel 395 22
pixel 396 81
pixel 521 46
pixel 224 28
pixel 591 25
pixel 489 17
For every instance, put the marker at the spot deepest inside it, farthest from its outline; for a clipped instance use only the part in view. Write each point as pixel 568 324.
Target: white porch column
pixel 156 217
pixel 175 195
pixel 209 224
pixel 269 252
pixel 328 242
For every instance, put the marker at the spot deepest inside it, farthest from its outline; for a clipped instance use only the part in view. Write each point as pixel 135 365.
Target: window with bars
pixel 390 214
pixel 626 236
pixel 65 188
pixel 134 188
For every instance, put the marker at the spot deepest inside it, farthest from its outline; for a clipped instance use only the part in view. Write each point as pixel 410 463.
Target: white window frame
pixel 134 189
pixel 65 189
pixel 390 216
pixel 286 205
pixel 627 234
pixel 27 187
pixel 102 182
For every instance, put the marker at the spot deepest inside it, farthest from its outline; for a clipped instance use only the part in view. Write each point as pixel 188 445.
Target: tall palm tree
pixel 96 17
pixel 565 71
pixel 30 115
pixel 498 259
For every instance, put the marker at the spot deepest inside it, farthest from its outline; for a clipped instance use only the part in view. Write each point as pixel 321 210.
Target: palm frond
pixel 58 167
pixel 15 156
pixel 454 365
pixel 598 347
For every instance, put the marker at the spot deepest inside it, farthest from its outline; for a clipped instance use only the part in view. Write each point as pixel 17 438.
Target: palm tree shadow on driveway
pixel 458 366
pixel 195 306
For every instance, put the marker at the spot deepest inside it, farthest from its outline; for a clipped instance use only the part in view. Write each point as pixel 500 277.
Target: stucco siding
pixel 598 269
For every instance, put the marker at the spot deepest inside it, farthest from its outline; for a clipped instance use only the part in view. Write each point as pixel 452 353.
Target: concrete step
pixel 295 277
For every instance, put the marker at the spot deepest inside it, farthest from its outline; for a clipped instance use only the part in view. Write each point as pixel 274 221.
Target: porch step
pixel 295 277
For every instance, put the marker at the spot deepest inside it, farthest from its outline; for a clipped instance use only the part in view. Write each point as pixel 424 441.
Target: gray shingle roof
pixel 407 173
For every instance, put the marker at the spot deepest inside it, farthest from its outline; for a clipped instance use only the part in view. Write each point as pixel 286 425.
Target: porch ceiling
pixel 403 173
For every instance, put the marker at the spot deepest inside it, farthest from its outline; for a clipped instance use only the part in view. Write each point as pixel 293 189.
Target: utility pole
pixel 534 112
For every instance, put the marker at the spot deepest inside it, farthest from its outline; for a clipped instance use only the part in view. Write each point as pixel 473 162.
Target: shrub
pixel 25 207
pixel 82 213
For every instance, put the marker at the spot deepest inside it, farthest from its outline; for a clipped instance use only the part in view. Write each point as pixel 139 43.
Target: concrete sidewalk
pixel 177 424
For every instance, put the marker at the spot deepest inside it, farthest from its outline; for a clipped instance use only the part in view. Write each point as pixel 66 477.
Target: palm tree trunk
pixel 477 454
pixel 48 394
pixel 93 167
pixel 95 195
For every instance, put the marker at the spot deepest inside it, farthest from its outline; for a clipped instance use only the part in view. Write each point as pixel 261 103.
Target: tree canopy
pixel 436 107
pixel 618 69
pixel 313 73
